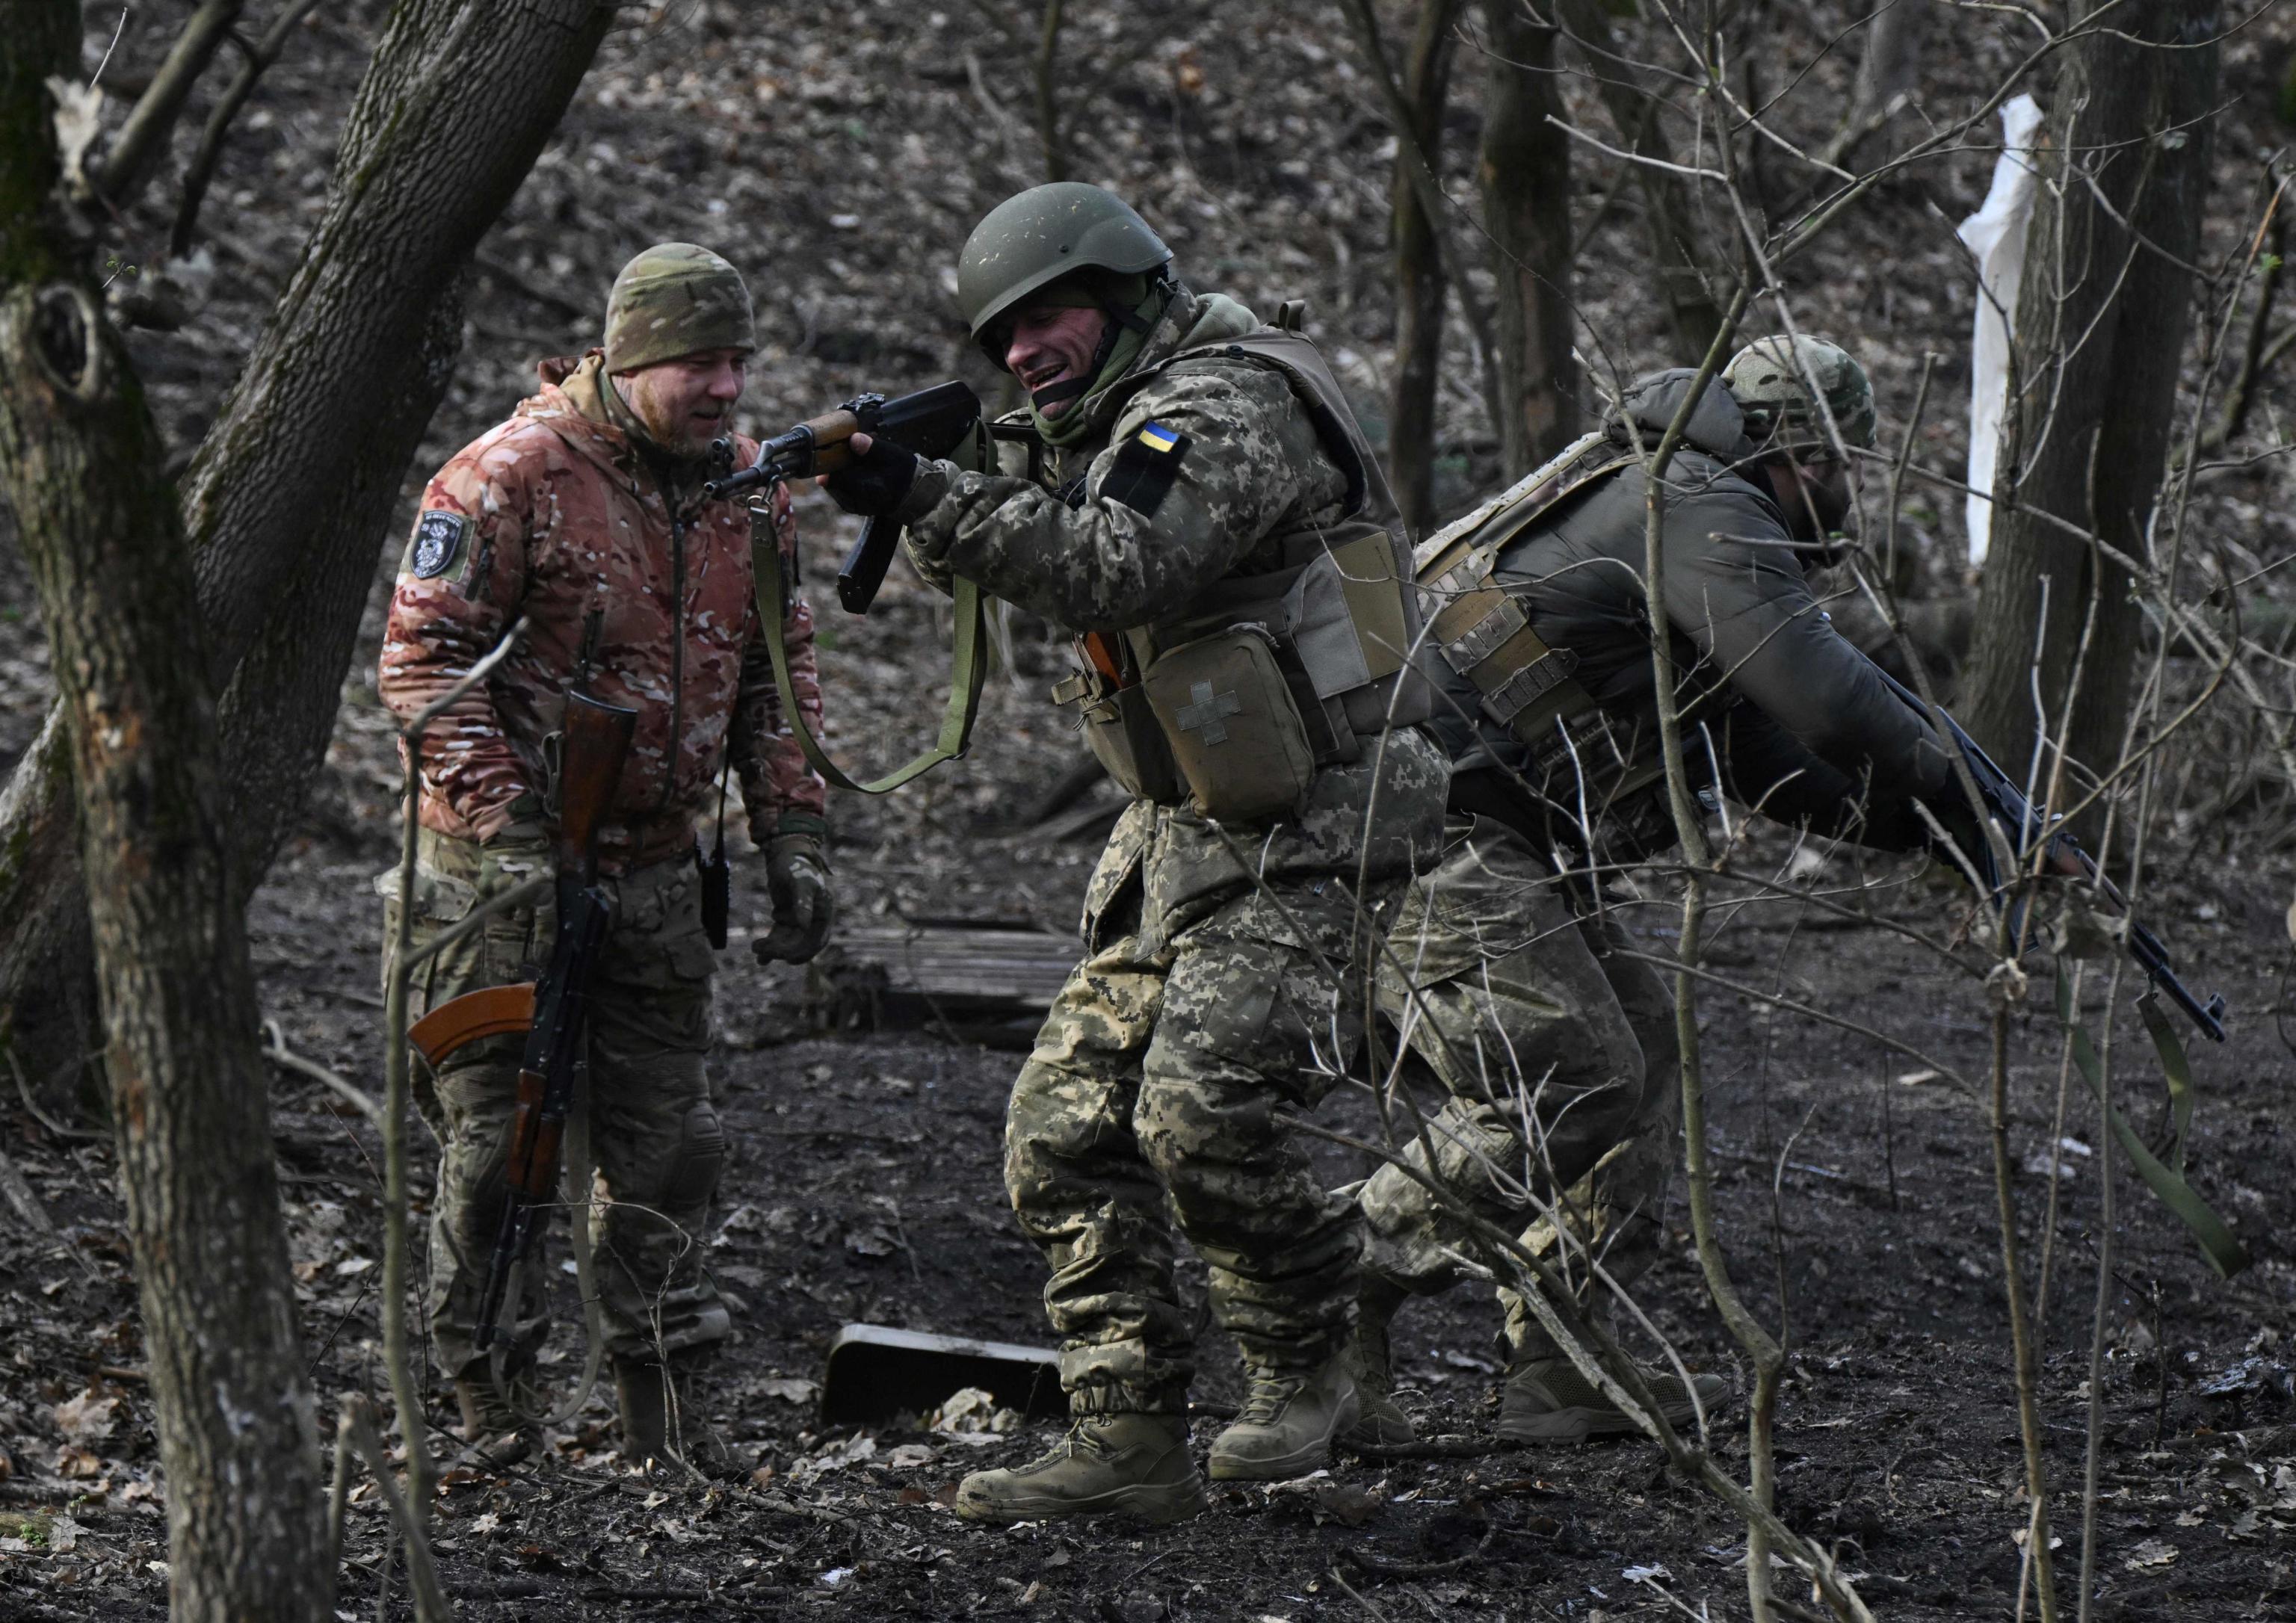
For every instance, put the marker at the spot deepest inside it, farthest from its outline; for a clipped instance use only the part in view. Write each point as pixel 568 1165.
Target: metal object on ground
pixel 875 1371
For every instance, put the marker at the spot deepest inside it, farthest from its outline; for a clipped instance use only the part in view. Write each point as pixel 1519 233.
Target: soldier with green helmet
pixel 1186 492
pixel 1514 981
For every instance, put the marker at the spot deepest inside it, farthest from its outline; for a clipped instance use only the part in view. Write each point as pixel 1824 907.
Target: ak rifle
pixel 933 422
pixel 596 743
pixel 2030 827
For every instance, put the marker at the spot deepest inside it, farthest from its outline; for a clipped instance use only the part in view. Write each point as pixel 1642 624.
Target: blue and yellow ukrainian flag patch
pixel 1146 465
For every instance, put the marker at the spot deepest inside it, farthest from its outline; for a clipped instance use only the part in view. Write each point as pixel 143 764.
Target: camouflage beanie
pixel 1771 379
pixel 673 300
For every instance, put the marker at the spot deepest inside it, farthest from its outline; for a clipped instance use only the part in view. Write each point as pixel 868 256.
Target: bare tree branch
pixel 136 152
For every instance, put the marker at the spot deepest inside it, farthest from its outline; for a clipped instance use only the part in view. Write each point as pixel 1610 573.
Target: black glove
pixel 876 481
pixel 797 879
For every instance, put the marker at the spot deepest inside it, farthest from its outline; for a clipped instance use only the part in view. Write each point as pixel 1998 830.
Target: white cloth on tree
pixel 1995 236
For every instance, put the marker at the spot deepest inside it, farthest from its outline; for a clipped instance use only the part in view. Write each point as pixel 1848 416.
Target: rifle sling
pixel 957 714
pixel 2218 1244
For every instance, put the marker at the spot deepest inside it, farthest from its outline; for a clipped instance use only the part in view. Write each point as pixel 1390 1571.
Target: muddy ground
pixel 1856 1194
pixel 866 1190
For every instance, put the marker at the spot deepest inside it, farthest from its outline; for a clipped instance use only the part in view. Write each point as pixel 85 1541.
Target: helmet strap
pixel 1069 388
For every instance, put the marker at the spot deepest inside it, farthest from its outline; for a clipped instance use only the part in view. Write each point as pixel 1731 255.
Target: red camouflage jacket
pixel 556 515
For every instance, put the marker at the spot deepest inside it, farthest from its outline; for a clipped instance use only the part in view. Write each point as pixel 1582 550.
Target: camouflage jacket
pixel 559 516
pixel 1252 468
pixel 1066 545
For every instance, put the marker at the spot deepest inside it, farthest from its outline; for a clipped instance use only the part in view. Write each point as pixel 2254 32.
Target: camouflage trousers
pixel 1558 1060
pixel 1161 1070
pixel 654 1128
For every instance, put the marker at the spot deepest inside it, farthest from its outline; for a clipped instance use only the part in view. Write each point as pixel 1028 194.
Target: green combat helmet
pixel 1028 243
pixel 1771 380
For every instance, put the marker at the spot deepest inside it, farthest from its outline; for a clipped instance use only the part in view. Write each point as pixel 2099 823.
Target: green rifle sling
pixel 2218 1244
pixel 957 715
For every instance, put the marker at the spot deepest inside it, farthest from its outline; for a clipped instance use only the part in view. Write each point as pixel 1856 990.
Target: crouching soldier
pixel 1555 1045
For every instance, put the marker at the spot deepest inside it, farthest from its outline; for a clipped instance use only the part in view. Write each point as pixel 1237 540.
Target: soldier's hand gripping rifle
pixel 596 740
pixel 2028 826
pixel 933 422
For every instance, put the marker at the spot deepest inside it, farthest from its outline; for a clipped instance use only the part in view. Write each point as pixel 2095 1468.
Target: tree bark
pixel 1525 174
pixel 1886 75
pixel 2101 321
pixel 286 503
pixel 1421 287
pixel 1668 202
pixel 79 456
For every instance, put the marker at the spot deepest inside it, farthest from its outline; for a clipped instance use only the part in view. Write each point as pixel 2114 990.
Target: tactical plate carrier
pixel 1235 701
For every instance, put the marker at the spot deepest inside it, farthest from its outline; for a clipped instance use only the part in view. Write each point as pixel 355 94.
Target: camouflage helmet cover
pixel 1771 379
pixel 1029 241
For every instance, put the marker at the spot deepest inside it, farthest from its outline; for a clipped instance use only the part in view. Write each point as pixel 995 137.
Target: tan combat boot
pixel 1129 1464
pixel 1287 1424
pixel 1547 1400
pixel 497 1435
pixel 1380 1422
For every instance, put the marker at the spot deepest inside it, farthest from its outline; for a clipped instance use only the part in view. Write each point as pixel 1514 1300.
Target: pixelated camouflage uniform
pixel 1558 1052
pixel 561 514
pixel 1205 1004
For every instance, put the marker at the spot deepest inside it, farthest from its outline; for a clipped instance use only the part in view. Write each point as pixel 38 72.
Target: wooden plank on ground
pixel 977 978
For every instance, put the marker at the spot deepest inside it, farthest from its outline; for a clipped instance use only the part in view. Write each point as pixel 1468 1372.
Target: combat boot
pixel 1380 1422
pixel 1546 1400
pixel 497 1435
pixel 660 1418
pixel 1131 1464
pixel 1287 1424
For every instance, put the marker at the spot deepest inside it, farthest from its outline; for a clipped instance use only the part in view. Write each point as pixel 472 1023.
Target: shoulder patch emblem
pixel 1145 466
pixel 438 543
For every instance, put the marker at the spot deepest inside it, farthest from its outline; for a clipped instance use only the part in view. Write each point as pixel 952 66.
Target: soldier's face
pixel 687 402
pixel 1053 343
pixel 1817 497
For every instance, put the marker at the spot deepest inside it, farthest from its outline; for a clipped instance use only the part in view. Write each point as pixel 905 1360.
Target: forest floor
pixel 1856 1188
pixel 866 1189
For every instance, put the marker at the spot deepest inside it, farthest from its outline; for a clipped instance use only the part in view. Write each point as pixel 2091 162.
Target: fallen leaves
pixel 88 1418
pixel 2152 1556
pixel 971 1415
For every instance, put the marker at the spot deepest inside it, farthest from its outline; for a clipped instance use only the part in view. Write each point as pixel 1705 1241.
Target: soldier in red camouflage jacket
pixel 582 514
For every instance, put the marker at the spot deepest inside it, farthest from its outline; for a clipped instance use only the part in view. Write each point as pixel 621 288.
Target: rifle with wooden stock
pixel 552 1011
pixel 933 423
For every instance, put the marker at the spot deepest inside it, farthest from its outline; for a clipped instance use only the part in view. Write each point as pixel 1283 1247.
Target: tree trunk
pixel 1419 285
pixel 1668 200
pixel 286 504
pixel 79 460
pixel 2102 319
pixel 1524 173
pixel 1886 74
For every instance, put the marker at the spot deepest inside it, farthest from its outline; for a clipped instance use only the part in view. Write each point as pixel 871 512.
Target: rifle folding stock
pixel 933 422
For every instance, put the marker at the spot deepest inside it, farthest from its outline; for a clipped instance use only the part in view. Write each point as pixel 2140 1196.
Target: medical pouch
pixel 1232 728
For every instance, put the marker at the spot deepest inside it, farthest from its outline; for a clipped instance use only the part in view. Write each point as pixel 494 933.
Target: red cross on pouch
pixel 1207 711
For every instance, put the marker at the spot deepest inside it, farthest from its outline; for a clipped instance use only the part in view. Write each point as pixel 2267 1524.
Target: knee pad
pixel 700 1161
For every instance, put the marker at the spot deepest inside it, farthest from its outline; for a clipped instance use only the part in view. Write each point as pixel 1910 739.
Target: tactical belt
pixel 957 715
